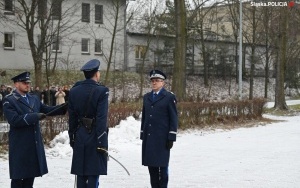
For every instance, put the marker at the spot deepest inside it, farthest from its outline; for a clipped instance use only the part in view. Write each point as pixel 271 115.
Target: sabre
pixel 115 160
pixel 58 108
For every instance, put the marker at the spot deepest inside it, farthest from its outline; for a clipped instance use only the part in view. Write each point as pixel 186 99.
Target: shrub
pixel 191 114
pixel 200 114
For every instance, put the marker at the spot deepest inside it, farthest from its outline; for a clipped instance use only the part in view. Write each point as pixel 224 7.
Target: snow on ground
pixel 258 157
pixel 288 102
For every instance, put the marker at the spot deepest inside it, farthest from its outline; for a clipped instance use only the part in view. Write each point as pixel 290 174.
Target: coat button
pixel 149 125
pixel 149 134
pixel 150 115
pixel 36 142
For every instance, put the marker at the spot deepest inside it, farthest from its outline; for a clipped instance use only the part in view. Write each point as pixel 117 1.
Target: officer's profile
pixel 23 112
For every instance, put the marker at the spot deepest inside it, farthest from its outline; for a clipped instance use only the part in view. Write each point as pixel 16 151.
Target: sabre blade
pixel 116 161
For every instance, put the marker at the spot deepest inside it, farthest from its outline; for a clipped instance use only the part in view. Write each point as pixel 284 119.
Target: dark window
pixel 8 40
pixel 56 44
pixel 99 14
pixel 8 5
pixel 85 46
pixel 56 9
pixel 98 46
pixel 85 12
pixel 42 9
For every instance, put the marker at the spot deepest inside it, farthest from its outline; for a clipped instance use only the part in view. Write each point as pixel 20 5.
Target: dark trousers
pixel 159 176
pixel 87 181
pixel 22 183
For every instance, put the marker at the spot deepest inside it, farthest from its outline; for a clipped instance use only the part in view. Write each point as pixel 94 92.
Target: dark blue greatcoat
pixel 86 160
pixel 159 124
pixel 26 149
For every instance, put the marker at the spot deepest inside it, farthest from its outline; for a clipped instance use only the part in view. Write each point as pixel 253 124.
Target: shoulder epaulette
pixel 11 94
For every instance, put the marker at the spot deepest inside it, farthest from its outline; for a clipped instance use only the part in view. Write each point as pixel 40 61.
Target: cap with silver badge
pixel 157 74
pixel 23 77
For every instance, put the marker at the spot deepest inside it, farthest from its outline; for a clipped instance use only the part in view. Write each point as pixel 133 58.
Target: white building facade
pixel 78 30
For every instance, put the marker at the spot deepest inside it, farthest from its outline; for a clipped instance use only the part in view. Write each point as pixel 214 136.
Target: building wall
pixel 220 53
pixel 70 55
pixel 154 59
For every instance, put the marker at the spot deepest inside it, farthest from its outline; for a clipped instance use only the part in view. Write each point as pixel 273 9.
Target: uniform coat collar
pixel 87 81
pixel 161 94
pixel 22 100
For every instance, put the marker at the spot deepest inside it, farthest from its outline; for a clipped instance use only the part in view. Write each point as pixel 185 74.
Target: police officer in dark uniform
pixel 23 112
pixel 158 129
pixel 88 129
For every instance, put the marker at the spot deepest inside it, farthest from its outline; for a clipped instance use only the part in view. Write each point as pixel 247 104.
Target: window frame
pixel 54 39
pixel 101 46
pixel 87 45
pixel 57 6
pixel 85 12
pixel 42 9
pixel 139 54
pixel 9 11
pixel 11 4
pixel 98 15
pixel 12 47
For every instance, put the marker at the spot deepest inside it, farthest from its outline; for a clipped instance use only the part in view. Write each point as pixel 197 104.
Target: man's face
pixel 23 87
pixel 157 84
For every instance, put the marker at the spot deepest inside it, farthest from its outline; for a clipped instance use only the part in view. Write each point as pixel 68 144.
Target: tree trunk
pixel 279 94
pixel 267 73
pixel 252 54
pixel 112 43
pixel 266 22
pixel 178 81
pixel 37 58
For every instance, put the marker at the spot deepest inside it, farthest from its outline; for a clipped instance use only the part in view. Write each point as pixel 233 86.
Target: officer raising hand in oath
pixel 23 112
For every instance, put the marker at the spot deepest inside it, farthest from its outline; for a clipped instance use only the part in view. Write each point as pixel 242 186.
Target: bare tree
pixel 282 41
pixel 36 16
pixel 233 7
pixel 266 38
pixel 178 80
pixel 117 5
pixel 252 17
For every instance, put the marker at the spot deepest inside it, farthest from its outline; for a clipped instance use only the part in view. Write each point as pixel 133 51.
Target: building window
pixel 8 5
pixel 42 9
pixel 56 9
pixel 85 46
pixel 140 52
pixel 85 12
pixel 98 46
pixel 9 41
pixel 99 14
pixel 56 44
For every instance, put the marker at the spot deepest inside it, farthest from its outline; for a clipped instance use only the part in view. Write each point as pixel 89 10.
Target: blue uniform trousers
pixel 87 181
pixel 22 183
pixel 159 176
